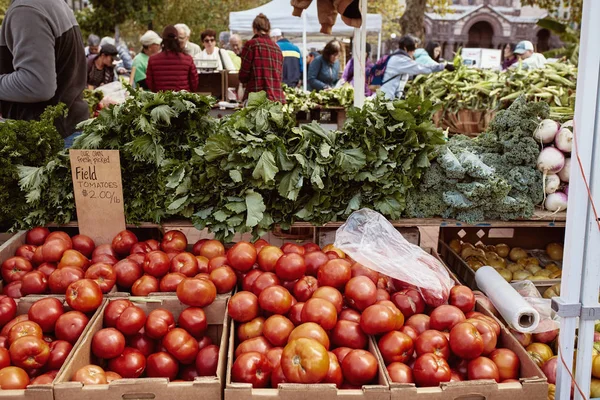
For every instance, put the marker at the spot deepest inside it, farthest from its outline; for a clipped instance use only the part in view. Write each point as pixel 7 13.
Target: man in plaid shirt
pixel 262 62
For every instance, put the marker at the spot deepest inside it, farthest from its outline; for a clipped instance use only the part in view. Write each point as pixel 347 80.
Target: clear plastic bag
pixel 370 239
pixel 549 321
pixel 526 289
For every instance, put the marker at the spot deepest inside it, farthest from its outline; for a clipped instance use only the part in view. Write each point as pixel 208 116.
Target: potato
pixel 543 272
pixel 468 252
pixel 474 263
pixel 533 269
pixel 521 275
pixel 455 246
pixel 502 249
pixel 556 275
pixel 517 253
pixel 555 251
pixel 537 278
pixel 514 267
pixel 506 274
pixel 552 267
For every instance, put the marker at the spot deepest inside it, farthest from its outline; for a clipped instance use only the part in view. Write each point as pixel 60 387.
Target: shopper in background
pixel 93 45
pixel 150 46
pixel 311 57
pixel 224 39
pixel 348 75
pixel 171 69
pixel 292 58
pixel 528 57
pixel 42 62
pixel 183 35
pixel 100 68
pixel 212 52
pixel 123 52
pixel 235 50
pixel 262 62
pixel 401 66
pixel 509 56
pixel 430 55
pixel 324 70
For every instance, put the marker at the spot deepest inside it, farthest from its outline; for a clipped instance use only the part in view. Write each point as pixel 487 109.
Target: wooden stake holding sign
pixel 98 193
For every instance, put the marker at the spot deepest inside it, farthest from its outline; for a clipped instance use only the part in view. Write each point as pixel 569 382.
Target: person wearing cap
pixel 150 46
pixel 528 58
pixel 42 63
pixel 123 52
pixel 292 58
pixel 100 69
pixel 93 45
pixel 183 35
pixel 171 69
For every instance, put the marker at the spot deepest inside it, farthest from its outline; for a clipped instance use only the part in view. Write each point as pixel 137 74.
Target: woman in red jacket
pixel 171 69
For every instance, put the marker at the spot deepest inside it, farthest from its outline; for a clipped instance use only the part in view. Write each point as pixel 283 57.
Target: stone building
pixel 487 24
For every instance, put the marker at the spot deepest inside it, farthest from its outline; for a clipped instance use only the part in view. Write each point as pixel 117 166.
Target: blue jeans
pixel 69 139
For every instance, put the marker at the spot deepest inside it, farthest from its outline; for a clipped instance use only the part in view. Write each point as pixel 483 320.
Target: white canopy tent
pixel 280 15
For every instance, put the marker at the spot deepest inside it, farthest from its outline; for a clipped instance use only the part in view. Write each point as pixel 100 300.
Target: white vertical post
pixel 379 45
pixel 359 55
pixel 304 52
pixel 581 267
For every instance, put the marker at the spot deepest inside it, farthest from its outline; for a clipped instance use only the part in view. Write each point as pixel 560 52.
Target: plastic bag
pixel 526 289
pixel 549 321
pixel 114 93
pixel 370 239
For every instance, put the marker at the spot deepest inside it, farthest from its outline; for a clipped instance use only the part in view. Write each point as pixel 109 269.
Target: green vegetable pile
pixel 490 177
pixel 477 89
pixel 31 143
pixel 300 100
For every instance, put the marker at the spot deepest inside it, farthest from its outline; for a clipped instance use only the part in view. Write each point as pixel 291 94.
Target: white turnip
pixel 556 202
pixel 546 131
pixel 565 172
pixel 550 161
pixel 564 140
pixel 552 183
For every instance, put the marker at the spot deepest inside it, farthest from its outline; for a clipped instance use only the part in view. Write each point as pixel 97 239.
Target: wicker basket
pixel 466 122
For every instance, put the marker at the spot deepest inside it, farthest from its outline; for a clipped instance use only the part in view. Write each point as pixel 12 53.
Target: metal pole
pixel 359 55
pixel 581 268
pixel 304 52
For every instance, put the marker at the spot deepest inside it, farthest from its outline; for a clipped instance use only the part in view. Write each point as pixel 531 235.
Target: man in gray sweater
pixel 42 62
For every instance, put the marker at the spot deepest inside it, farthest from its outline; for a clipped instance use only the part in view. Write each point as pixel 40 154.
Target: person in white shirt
pixel 527 57
pixel 212 52
pixel 183 35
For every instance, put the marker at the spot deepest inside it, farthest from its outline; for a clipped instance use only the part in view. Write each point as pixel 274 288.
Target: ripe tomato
pixel 162 365
pixel 13 378
pixel 252 368
pixel 13 290
pixel 157 264
pixel 431 370
pixel 321 312
pixel 267 258
pixel 185 263
pixel 445 317
pixel 259 344
pixel 242 256
pixel 507 362
pixel 188 373
pixel 4 358
pixel 341 353
pixel 70 326
pixel 348 334
pixel 143 343
pixel 349 314
pixel 493 323
pixel 174 242
pixel 259 244
pixel 396 347
pixel 276 300
pixel 53 249
pixel 542 349
pixel 432 341
pixel 310 330
pixel 59 351
pixel 311 247
pixel 196 292
pixel 207 361
pixel 24 328
pixel 224 279
pixel 104 275
pixel 123 242
pixel 360 270
pixel 112 376
pixel 335 273
pixel 419 322
pixel 83 244
pixel 334 374
pixel 131 320
pixel 400 373
pixel 47 269
pixel 45 379
pixel 130 364
pixel 249 278
pixel 251 329
pixel 29 352
pixel 277 329
pixel 73 258
pixel 549 369
pixel 45 313
pixel 243 306
pixel 462 297
pixel 359 367
pixel 483 368
pixel 398 317
pixel 60 279
pixel 108 343
pixel 314 261
pixel 295 313
pixel 466 341
pixel 203 264
pixel 113 311
pixel 169 282
pixel 290 267
pixel 360 292
pixel 205 341
pixel 377 319
pixel 263 281
pixel 409 302
pixel 292 248
pixel 8 309
pixel 104 250
pixel 181 345
pixel 305 361
pixel 194 321
pixel 37 236
pixel 14 268
pixel 6 329
pixel 34 282
pixel 140 248
pixel 145 285
pixel 211 249
pixel 332 295
pixel 305 287
pixel 128 271
pixel 488 335
pixel 274 357
pixel 159 323
pixel 105 258
pixel 84 295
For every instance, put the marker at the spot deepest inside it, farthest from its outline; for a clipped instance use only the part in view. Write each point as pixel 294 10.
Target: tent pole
pixel 359 55
pixel 304 52
pixel 379 45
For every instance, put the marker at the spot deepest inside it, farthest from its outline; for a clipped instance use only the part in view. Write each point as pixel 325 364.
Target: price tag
pixel 98 193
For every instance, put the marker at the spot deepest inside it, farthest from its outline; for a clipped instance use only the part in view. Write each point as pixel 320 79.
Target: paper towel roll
pixel 514 309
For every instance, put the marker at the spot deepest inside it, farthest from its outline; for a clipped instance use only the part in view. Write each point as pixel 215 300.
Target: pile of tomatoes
pixel 305 315
pixel 34 346
pixel 132 344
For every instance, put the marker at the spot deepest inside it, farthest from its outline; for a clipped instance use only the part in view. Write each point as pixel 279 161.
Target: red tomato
pixel 14 268
pixel 188 372
pixel 465 341
pixel 348 334
pixel 185 263
pixel 145 285
pixel 169 282
pixel 314 261
pixel 13 378
pixel 123 242
pixel 19 318
pixel 259 244
pixel 251 329
pixel 60 279
pixel 13 290
pixel 113 311
pixel 207 361
pixel 108 343
pixel 360 270
pixel 359 367
pixel 4 358
pixel 84 295
pixel 274 357
pixel 59 351
pixel 409 302
pixel 252 368
pixel 263 281
pixel 104 250
pixel 488 335
pixel 45 379
pixel 335 273
pixel 396 347
pixel 507 362
pixel 196 292
pixel 493 323
pixel 130 364
pixel 377 319
pixel 483 368
pixel 83 244
pixel 73 258
pixel 267 258
pixel 243 306
pixel 400 373
pixel 157 264
pixel 128 271
pixel 106 259
pixel 181 345
pixel 162 365
pixel 321 312
pixel 360 292
pixel 34 282
pixel 349 314
pixel 131 320
pixel 29 352
pixel 305 287
pixel 194 321
pixel 305 361
pixel 242 256
pixel 203 264
pixel 311 247
pixel 159 323
pixel 310 330
pixel 330 294
pixel 224 279
pixel 37 236
pixel 174 242
pixel 211 249
pixel 276 300
pixel 46 312
pixel 8 309
pixel 398 317
pixel 259 344
pixel 143 343
pixel 431 370
pixel 47 269
pixel 277 329
pixel 290 267
pixel 205 341
pixel 112 376
pixel 462 297
pixel 104 275
pixel 216 263
pixel 70 326
pixel 295 313
pixel 249 278
pixel 445 317
pixel 432 341
pixel 53 250
pixel 419 322
pixel 90 375
pixel 341 353
pixel 292 248
pixel 334 374
pixel 24 328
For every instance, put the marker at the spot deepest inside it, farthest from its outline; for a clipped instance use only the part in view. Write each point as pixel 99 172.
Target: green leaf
pixel 351 160
pixel 175 177
pixel 389 207
pixel 235 175
pixel 265 168
pixel 256 207
pixel 162 113
pixel 177 203
pixel 256 99
pixel 217 146
pixel 290 184
pixel 236 207
pixel 220 216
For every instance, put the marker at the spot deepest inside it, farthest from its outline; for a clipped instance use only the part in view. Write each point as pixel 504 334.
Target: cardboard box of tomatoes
pixel 149 348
